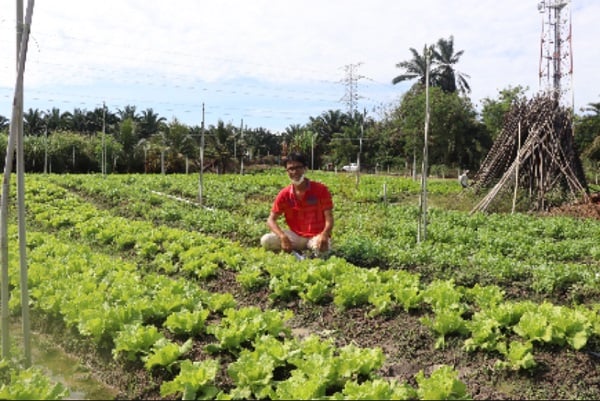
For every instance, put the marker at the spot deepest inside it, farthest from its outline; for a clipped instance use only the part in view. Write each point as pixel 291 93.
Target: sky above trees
pixel 271 63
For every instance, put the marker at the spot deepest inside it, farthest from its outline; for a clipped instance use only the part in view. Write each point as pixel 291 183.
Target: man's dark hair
pixel 296 157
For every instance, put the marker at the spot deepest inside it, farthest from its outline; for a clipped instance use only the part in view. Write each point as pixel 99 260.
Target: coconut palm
pixel 445 60
pixel 150 123
pixel 33 122
pixel 587 131
pixel 128 137
pixel 414 68
pixel 328 123
pixel 4 123
pixel 128 112
pixel 78 120
pixel 55 120
pixel 287 137
pixel 95 119
pixel 442 74
pixel 219 141
pixel 594 108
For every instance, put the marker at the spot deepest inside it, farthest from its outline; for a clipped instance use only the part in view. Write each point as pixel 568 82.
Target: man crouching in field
pixel 308 210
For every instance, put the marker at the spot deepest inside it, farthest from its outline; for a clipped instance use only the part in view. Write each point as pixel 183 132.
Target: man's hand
pixel 323 242
pixel 286 244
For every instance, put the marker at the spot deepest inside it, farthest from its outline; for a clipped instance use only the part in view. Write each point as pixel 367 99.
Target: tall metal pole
pixel 422 232
pixel 46 149
pixel 360 143
pixel 244 149
pixel 201 179
pixel 557 54
pixel 242 144
pixel 103 156
pixel 15 140
pixel 21 188
pixel 14 128
pixel 312 151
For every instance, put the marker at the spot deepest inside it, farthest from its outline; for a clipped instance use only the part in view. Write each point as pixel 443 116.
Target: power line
pixel 180 91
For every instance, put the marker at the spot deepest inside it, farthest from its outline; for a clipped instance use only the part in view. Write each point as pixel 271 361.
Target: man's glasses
pixel 292 169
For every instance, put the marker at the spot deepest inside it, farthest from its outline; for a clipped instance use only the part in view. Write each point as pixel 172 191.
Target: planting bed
pixel 377 239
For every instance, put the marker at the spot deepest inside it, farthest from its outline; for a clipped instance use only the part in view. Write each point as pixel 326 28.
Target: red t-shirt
pixel 304 216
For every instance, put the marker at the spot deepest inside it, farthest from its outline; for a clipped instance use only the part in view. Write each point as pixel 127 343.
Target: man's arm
pixel 323 241
pixel 286 244
pixel 328 222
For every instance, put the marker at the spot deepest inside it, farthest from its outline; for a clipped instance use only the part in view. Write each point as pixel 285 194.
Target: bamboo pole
pixel 201 177
pixel 21 197
pixel 14 140
pixel 422 232
pixel 517 169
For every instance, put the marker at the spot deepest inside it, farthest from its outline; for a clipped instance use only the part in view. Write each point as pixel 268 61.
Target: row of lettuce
pixel 154 319
pixel 152 284
pixel 551 256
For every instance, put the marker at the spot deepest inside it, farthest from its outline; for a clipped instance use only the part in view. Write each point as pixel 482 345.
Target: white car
pixel 350 167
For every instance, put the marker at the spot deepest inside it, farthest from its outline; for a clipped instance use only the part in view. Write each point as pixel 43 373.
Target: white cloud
pixel 240 55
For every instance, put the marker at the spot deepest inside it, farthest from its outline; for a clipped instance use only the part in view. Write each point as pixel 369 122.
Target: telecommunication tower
pixel 556 55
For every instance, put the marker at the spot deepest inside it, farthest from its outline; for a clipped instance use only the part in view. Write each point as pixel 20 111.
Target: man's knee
pixel 312 245
pixel 270 242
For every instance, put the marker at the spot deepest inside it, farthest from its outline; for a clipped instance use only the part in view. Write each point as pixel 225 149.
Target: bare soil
pixel 588 210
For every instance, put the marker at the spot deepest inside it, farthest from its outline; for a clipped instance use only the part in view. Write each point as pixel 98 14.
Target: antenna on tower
pixel 556 57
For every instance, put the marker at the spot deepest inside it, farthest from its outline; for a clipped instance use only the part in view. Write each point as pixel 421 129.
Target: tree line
pixel 130 141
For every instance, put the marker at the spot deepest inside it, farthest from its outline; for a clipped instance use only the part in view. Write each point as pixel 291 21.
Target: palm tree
pixel 4 123
pixel 219 138
pixel 55 120
pixel 442 71
pixel 34 122
pixel 445 59
pixel 95 120
pixel 415 68
pixel 149 123
pixel 128 138
pixel 588 132
pixel 260 141
pixel 78 120
pixel 287 138
pixel 128 112
pixel 594 108
pixel 174 143
pixel 179 139
pixel 328 123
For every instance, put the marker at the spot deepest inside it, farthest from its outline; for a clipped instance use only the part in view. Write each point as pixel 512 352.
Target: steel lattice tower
pixel 351 96
pixel 556 56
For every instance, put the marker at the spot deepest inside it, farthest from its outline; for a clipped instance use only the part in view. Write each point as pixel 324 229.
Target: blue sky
pixel 273 63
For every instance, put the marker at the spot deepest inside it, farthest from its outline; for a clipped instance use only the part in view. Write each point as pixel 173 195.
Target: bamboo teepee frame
pixel 535 151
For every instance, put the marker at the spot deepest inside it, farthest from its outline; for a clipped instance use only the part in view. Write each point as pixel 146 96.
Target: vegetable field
pixel 169 299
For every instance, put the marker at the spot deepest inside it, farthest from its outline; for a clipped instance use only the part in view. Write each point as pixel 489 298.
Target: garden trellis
pixel 536 151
